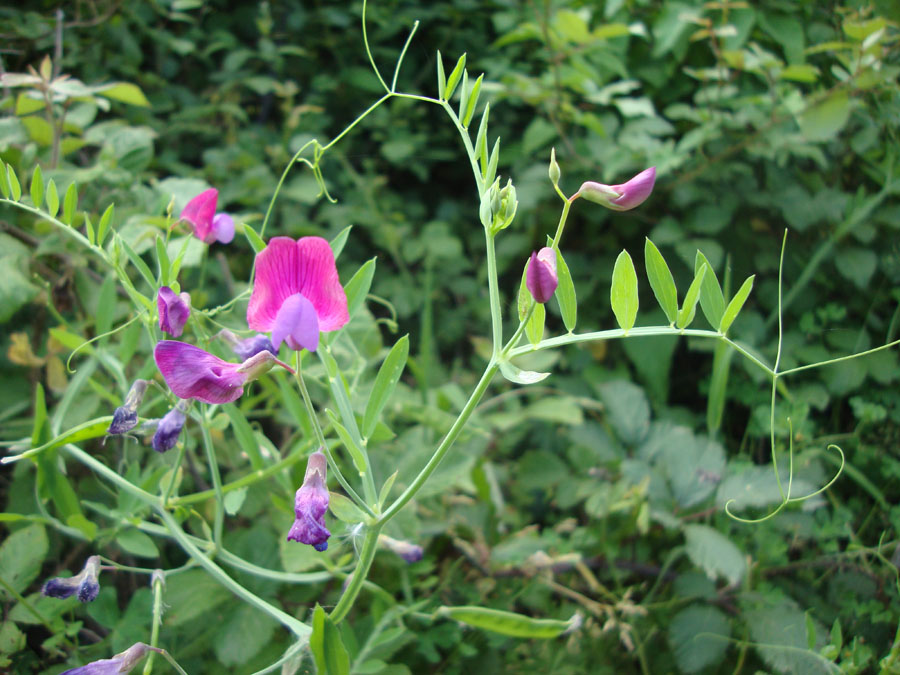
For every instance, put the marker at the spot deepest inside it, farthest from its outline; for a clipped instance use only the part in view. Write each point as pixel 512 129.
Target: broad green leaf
pixel 714 553
pixel 565 293
pixel 14 188
pixel 52 198
pixel 823 121
pixel 103 225
pixel 689 306
pixel 472 101
pixel 325 643
pixel 455 76
pixel 737 302
pixel 138 262
pixel 137 543
pixel 661 281
pixel 358 287
pixel 234 500
pixel 623 293
pixel 699 636
pixel 191 594
pixel 627 409
pixel 385 381
pixel 70 203
pixel 534 329
pixel 509 623
pixel 441 79
pixel 126 93
pixel 515 374
pixel 344 509
pixel 37 187
pixel 356 453
pixel 712 302
pixel 780 636
pixel 338 243
pixel 21 557
pixel 242 635
pixel 256 242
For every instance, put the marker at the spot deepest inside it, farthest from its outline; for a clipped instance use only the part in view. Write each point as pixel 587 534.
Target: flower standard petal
pixel 622 197
pixel 297 324
pixel 199 213
pixel 174 310
pixel 192 372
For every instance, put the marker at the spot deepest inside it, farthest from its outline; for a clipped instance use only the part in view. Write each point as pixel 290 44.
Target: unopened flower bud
pixel 554 171
pixel 84 584
pixel 408 551
pixel 541 279
pixel 169 428
pixel 310 505
pixel 120 664
pixel 125 417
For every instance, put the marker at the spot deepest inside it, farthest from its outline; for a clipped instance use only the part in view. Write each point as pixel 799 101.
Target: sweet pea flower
pixel 621 197
pixel 408 551
pixel 310 505
pixel 208 225
pixel 169 428
pixel 174 310
pixel 541 279
pixel 120 664
pixel 192 372
pixel 248 347
pixel 84 584
pixel 125 417
pixel 297 293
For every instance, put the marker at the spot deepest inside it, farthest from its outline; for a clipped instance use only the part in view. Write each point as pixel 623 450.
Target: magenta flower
pixel 208 225
pixel 192 372
pixel 541 279
pixel 310 505
pixel 120 664
pixel 620 197
pixel 174 310
pixel 297 293
pixel 84 584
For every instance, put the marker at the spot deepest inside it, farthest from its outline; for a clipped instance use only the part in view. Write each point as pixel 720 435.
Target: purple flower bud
pixel 125 417
pixel 541 279
pixel 120 664
pixel 408 551
pixel 223 228
pixel 169 428
pixel 174 311
pixel 248 347
pixel 310 505
pixel 84 584
pixel 621 197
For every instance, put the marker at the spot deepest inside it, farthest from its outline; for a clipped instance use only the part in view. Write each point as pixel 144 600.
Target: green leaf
pixel 126 93
pixel 509 623
pixel 103 226
pixel 338 243
pixel 325 643
pixel 534 329
pixel 823 121
pixel 234 500
pixel 21 557
pixel 344 509
pixel 256 242
pixel 356 453
pixel 52 198
pixel 138 262
pixel 106 305
pixel 780 637
pixel 737 302
pixel 718 386
pixel 89 229
pixel 472 101
pixel 4 180
pixel 137 543
pixel 712 302
pixel 358 287
pixel 627 409
pixel 14 188
pixel 244 634
pixel 70 203
pixel 623 294
pixel 661 281
pixel 714 553
pixel 699 636
pixel 386 488
pixel 441 79
pixel 515 374
pixel 491 172
pixel 689 306
pixel 189 595
pixel 463 95
pixel 385 381
pixel 37 187
pixel 810 632
pixel 455 76
pixel 565 293
pixel 162 261
pixel 481 140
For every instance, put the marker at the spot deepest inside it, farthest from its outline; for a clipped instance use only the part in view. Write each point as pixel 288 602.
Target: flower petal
pixel 297 324
pixel 174 311
pixel 199 213
pixel 192 372
pixel 223 228
pixel 541 278
pixel 635 191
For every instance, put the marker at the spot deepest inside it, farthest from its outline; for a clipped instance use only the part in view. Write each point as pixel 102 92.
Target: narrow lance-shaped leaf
pixel 661 281
pixel 623 293
pixel 162 261
pixel 565 293
pixel 524 299
pixel 338 243
pixel 52 198
pixel 385 381
pixel 14 188
pixel 70 203
pixel 344 509
pixel 712 302
pixel 105 221
pixel 358 287
pixel 327 648
pixel 356 453
pixel 472 101
pixel 386 488
pixel 256 242
pixel 89 230
pixel 454 77
pixel 509 623
pixel 737 302
pixel 481 140
pixel 534 329
pixel 689 306
pixel 442 81
pixel 4 181
pixel 136 260
pixel 463 95
pixel 491 172
pixel 37 187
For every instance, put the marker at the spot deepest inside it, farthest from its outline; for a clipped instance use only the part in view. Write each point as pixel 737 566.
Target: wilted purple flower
pixel 192 372
pixel 174 310
pixel 310 505
pixel 619 197
pixel 248 347
pixel 125 417
pixel 408 551
pixel 84 584
pixel 208 225
pixel 120 664
pixel 169 428
pixel 541 279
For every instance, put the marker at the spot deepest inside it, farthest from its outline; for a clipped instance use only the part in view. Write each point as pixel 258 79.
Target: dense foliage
pixel 600 490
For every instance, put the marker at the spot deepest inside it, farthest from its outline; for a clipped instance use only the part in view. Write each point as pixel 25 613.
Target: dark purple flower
pixel 541 279
pixel 408 551
pixel 120 664
pixel 84 584
pixel 310 505
pixel 125 417
pixel 174 310
pixel 169 428
pixel 248 347
pixel 192 372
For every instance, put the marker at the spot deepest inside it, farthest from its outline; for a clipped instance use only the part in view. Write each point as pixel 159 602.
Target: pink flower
pixel 620 197
pixel 310 505
pixel 208 225
pixel 192 372
pixel 297 293
pixel 174 311
pixel 541 279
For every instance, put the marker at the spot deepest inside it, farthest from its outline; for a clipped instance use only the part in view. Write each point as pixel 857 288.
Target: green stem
pixel 366 556
pixel 70 231
pixel 365 37
pixel 158 583
pixel 494 293
pixel 179 458
pixel 470 151
pixel 562 224
pixel 219 515
pixel 110 475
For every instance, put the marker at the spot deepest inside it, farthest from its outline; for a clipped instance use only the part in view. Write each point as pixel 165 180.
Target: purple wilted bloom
pixel 120 664
pixel 310 505
pixel 297 293
pixel 208 225
pixel 174 310
pixel 408 551
pixel 192 372
pixel 84 584
pixel 125 417
pixel 248 347
pixel 620 197
pixel 541 279
pixel 169 428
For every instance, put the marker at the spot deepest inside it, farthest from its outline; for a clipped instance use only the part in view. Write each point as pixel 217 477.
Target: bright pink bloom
pixel 310 505
pixel 192 372
pixel 174 310
pixel 541 279
pixel 208 225
pixel 621 197
pixel 297 293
